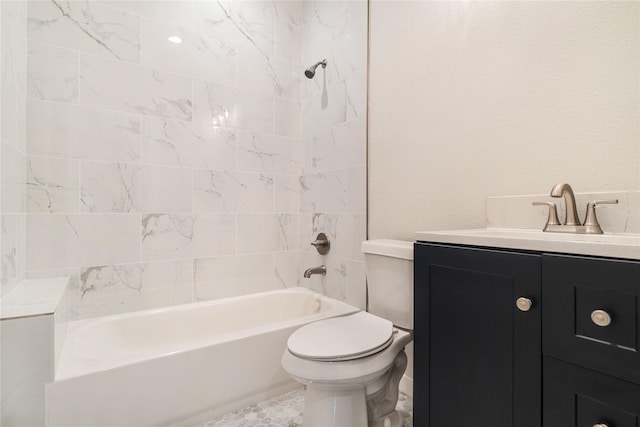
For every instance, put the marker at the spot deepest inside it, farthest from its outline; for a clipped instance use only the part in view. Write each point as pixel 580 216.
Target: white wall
pixel 472 99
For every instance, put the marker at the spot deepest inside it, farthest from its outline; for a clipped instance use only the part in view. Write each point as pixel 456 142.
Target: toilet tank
pixel 389 269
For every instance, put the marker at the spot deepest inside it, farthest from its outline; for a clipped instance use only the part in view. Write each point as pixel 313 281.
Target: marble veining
pixel 171 236
pixel 141 90
pixel 266 153
pixel 72 131
pixel 52 185
pixel 52 73
pixel 217 191
pixel 110 288
pixel 86 26
pixel 188 144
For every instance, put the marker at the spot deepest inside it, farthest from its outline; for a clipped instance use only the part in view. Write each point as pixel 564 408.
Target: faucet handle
pixel 553 214
pixel 591 221
pixel 321 244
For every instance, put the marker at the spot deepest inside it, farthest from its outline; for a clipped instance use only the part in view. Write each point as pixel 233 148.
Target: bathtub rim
pixel 90 366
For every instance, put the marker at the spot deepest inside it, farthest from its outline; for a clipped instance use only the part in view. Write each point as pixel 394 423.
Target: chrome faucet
pixel 316 270
pixel 564 190
pixel 571 222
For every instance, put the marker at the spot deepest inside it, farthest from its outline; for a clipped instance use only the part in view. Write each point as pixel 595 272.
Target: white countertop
pixel 33 298
pixel 625 246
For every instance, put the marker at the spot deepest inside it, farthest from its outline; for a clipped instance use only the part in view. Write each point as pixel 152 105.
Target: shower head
pixel 311 71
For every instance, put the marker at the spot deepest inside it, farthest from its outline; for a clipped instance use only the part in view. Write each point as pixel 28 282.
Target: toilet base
pixel 390 420
pixel 339 407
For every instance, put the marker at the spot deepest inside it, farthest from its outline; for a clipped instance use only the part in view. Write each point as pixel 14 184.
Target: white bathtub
pixel 180 365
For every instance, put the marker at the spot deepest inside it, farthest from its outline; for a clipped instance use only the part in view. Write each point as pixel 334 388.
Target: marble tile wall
pixel 333 145
pixel 159 173
pixel 13 84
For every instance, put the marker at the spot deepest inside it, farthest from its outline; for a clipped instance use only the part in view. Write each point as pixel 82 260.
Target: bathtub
pixel 180 365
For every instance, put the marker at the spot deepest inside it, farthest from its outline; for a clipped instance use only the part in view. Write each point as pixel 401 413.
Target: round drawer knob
pixel 600 425
pixel 600 318
pixel 524 304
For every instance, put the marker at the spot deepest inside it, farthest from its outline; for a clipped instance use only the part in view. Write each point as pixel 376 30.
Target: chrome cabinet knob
pixel 524 304
pixel 600 425
pixel 601 318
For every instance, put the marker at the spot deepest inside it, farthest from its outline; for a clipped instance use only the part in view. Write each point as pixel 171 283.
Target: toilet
pixel 352 365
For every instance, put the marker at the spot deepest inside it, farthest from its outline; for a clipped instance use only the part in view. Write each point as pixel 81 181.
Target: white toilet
pixel 352 365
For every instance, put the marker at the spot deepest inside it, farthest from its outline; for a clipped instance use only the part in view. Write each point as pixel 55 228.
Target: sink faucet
pixel 316 270
pixel 564 190
pixel 571 222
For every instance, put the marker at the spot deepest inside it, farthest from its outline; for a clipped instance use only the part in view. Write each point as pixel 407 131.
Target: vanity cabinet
pixel 591 328
pixel 477 359
pixel 571 359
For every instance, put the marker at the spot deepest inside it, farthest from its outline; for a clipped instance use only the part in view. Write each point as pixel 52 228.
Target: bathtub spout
pixel 316 270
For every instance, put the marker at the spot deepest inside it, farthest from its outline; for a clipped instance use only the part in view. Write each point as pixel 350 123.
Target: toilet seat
pixel 342 338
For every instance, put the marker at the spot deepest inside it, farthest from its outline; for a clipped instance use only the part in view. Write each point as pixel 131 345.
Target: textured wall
pixel 12 143
pixel 472 99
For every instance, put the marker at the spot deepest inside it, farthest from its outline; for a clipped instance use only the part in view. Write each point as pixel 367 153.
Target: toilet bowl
pixel 352 365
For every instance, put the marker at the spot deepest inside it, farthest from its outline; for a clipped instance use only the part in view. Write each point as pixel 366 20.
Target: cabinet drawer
pixel 579 397
pixel 591 313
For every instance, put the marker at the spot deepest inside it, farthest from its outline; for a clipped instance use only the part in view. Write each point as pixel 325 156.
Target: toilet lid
pixel 342 338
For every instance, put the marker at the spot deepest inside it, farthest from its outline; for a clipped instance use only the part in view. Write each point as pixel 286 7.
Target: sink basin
pixel 609 245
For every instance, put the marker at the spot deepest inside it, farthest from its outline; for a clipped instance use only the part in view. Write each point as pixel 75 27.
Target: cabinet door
pixel 477 356
pixel 579 397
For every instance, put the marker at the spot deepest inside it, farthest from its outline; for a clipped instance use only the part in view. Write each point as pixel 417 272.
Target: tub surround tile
pixel 126 287
pixel 286 266
pixel 339 147
pixel 262 74
pixel 223 106
pixel 287 35
pixel 109 187
pixel 357 189
pixel 13 178
pixel 222 277
pixel 198 54
pixel 63 241
pixel 170 236
pixel 287 193
pixel 141 90
pixel 183 153
pixel 176 12
pixel 12 250
pixel 86 26
pixel 52 73
pixel 218 191
pixel 163 189
pixel 325 109
pixel 356 93
pixel 345 231
pixel 324 192
pixel 267 233
pixel 187 144
pixel 64 130
pixel 287 117
pixel 52 185
pixel 267 153
pixel 335 283
pixel 249 24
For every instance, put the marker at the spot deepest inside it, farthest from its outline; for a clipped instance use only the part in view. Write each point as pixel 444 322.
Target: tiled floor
pixel 286 411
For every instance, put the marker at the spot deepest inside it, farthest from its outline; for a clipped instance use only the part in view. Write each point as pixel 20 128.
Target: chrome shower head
pixel 311 71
